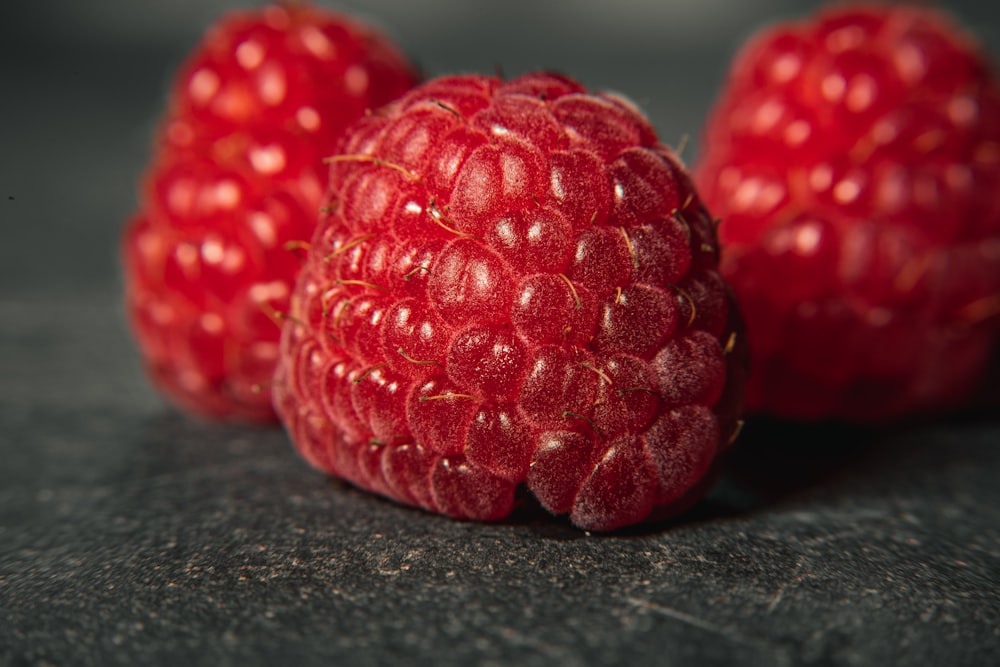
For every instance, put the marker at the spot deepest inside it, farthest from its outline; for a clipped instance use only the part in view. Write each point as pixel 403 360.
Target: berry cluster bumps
pixel 515 284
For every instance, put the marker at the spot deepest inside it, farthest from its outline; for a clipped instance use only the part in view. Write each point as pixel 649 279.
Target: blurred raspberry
pixel 237 174
pixel 854 159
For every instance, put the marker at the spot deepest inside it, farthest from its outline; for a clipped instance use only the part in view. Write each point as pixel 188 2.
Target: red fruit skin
pixel 515 284
pixel 854 160
pixel 237 176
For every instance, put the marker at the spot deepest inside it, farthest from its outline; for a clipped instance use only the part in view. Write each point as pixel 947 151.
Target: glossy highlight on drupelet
pixel 514 285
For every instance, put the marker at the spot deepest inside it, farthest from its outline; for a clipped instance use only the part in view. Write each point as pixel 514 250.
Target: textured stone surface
pixel 131 535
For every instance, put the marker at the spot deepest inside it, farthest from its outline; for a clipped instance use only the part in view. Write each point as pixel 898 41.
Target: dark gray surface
pixel 132 535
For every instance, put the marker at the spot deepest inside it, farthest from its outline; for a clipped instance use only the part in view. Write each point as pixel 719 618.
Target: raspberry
pixel 237 174
pixel 515 286
pixel 854 159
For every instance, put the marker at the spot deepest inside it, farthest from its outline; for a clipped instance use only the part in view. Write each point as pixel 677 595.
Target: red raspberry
pixel 237 174
pixel 855 161
pixel 516 285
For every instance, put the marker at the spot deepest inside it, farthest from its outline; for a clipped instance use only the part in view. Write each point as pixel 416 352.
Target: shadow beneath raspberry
pixel 775 459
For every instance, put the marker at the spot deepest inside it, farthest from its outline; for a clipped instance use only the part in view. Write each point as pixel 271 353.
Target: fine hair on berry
pixel 514 286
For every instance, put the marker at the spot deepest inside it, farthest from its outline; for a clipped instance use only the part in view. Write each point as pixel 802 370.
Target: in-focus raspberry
pixel 515 285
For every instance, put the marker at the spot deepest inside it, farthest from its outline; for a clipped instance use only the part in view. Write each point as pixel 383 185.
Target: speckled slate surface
pixel 132 535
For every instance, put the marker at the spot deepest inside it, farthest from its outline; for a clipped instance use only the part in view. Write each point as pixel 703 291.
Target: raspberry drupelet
pixel 237 174
pixel 854 160
pixel 514 285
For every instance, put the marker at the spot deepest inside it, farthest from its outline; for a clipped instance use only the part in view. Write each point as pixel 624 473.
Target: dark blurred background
pixel 132 535
pixel 82 82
